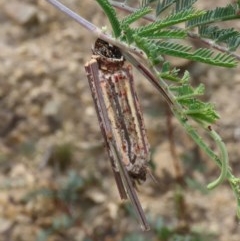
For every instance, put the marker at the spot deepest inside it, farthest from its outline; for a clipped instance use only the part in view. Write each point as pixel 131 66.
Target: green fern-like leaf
pixel 162 47
pixel 169 76
pixel 220 59
pixel 154 49
pixel 166 4
pixel 141 12
pixel 230 36
pixel 150 48
pixel 201 112
pixel 147 2
pixel 233 43
pixel 171 20
pixel 186 92
pixel 111 14
pixel 163 5
pixel 184 4
pixel 173 74
pixel 219 14
pixel 174 49
pixel 127 31
pixel 166 34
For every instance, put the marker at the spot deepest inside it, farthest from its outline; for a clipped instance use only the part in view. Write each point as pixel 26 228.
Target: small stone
pixel 34 110
pixel 21 13
pixel 236 134
pixel 90 111
pixel 18 170
pixel 96 196
pixel 51 108
pixel 5 224
pixel 163 160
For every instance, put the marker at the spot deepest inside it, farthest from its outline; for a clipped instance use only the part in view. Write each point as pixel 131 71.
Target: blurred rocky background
pixel 55 178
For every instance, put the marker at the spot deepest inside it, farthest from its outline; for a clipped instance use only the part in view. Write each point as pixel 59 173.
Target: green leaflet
pixel 219 14
pixel 186 92
pixel 124 24
pixel 166 34
pixel 171 20
pixel 165 4
pixel 112 17
pixel 229 36
pixel 133 17
pixel 186 96
pixel 184 4
pixel 199 111
pixel 207 56
pixel 156 48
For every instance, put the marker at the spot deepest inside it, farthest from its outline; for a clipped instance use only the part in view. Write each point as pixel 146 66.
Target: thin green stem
pixel 235 185
pixel 222 163
pixel 224 160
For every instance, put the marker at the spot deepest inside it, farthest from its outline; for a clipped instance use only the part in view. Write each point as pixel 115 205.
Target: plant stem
pixel 86 24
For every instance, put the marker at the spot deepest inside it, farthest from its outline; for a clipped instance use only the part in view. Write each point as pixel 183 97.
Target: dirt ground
pixel 55 179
